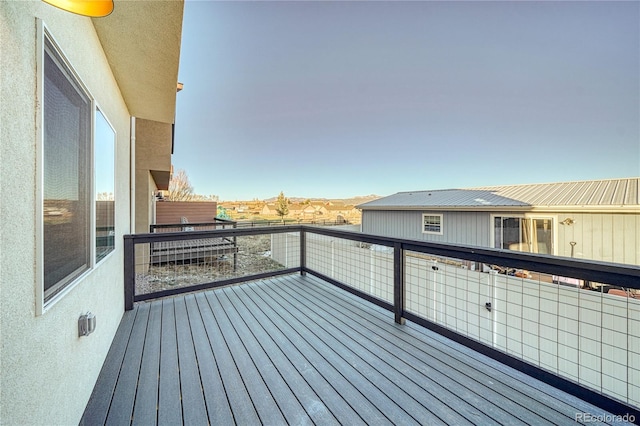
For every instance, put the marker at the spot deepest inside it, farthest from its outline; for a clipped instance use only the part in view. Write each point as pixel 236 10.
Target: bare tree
pixel 180 188
pixel 282 206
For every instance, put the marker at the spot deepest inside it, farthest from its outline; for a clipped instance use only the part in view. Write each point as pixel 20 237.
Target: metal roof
pixel 595 194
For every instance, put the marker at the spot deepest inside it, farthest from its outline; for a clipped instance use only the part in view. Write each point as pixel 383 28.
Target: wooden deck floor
pixel 296 350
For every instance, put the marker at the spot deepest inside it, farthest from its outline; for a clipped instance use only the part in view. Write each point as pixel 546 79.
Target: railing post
pixel 398 283
pixel 235 252
pixel 303 252
pixel 129 272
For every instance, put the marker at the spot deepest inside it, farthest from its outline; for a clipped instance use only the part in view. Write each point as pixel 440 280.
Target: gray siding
pixel 466 228
pixel 601 236
pixel 608 237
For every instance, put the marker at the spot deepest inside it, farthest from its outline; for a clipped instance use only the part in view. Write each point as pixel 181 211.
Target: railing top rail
pixel 612 273
pixel 623 275
pixel 197 234
pixel 217 222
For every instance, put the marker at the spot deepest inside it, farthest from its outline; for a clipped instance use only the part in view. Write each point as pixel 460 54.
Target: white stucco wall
pixel 47 372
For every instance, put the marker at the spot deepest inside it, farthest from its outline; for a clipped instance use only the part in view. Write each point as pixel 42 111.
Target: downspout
pixel 132 179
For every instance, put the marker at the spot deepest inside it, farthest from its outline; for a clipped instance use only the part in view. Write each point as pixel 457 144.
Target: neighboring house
pixel 87 108
pixel 268 209
pixel 310 212
pixel 597 220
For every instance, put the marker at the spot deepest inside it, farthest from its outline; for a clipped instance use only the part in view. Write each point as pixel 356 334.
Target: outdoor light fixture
pixel 86 324
pixel 92 8
pixel 568 221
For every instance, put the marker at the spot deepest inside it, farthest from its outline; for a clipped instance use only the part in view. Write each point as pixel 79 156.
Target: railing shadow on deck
pixel 572 323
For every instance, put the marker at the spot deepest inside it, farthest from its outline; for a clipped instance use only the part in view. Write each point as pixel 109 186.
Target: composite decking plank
pixel 302 377
pixel 263 401
pixel 214 394
pixel 121 409
pixel 480 368
pixel 345 390
pixel 351 378
pixel 286 400
pixel 244 412
pixel 421 383
pixel 145 408
pixel 97 408
pixel 169 398
pixel 194 412
pixel 436 369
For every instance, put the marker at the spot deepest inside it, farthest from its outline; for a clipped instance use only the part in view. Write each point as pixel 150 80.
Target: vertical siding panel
pixel 584 247
pixel 564 234
pixel 630 240
pixel 606 237
pixel 617 238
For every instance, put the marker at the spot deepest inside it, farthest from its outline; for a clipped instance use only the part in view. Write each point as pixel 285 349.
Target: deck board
pixel 124 395
pixel 169 400
pixel 147 394
pixel 306 380
pixel 236 392
pixel 217 405
pixel 195 412
pixel 102 395
pixel 296 350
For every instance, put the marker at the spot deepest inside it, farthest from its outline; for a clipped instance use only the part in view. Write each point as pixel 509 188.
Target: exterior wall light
pixel 568 221
pixel 86 324
pixel 92 8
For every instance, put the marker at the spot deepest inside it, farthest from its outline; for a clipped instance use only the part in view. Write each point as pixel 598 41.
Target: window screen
pixel 66 175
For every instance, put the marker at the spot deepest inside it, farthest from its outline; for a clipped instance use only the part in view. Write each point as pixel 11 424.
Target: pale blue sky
pixel 337 99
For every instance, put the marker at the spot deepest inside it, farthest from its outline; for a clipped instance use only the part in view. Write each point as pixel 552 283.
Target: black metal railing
pixel 200 226
pixel 434 284
pixel 619 275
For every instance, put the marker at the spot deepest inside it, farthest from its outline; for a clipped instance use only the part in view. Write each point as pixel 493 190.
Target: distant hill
pixel 359 199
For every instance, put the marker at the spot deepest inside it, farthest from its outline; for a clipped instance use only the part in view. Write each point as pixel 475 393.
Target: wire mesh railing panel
pixel 285 249
pixel 584 331
pixel 168 265
pixel 364 267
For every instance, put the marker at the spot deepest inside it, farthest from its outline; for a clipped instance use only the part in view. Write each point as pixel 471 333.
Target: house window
pixel 104 146
pixel 66 175
pixel 532 235
pixel 432 224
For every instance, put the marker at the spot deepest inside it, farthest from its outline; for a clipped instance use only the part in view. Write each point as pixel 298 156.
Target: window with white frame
pixel 104 147
pixel 78 144
pixel 432 223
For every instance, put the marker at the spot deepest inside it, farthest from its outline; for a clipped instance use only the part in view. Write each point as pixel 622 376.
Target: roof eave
pixel 537 209
pixel 141 40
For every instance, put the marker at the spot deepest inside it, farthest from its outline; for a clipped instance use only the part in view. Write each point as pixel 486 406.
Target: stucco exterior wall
pixel 47 372
pixel 145 190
